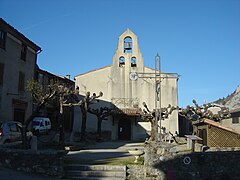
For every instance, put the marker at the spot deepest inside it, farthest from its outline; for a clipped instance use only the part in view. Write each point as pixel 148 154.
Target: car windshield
pixel 35 123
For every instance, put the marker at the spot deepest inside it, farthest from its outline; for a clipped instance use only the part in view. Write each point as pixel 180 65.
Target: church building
pixel 126 84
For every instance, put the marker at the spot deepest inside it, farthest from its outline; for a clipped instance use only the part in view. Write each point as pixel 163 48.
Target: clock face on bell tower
pixel 133 76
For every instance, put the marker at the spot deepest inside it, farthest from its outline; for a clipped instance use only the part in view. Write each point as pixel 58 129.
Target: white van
pixel 41 125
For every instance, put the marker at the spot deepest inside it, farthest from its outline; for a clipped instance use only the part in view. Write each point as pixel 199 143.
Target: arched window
pixel 127 44
pixel 133 62
pixel 121 61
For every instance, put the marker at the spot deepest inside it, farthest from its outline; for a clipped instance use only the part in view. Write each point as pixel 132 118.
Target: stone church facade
pixel 126 84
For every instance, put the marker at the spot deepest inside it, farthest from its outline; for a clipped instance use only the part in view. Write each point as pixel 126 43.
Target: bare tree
pixel 85 103
pixel 102 113
pixel 56 94
pixel 73 99
pixel 40 97
pixel 67 97
pixel 192 113
pixel 60 96
pixel 197 112
pixel 148 115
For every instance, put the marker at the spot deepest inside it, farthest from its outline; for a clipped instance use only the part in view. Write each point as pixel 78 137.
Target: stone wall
pixel 205 165
pixel 137 172
pixel 164 161
pixel 45 162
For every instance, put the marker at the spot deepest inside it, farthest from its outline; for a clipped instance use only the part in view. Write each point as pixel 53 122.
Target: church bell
pixel 128 46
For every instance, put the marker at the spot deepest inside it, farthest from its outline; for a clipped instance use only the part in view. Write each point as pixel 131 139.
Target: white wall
pixel 115 84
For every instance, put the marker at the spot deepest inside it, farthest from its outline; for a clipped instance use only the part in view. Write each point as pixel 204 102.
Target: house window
pixel 133 62
pixel 24 52
pixel 235 120
pixel 1 73
pixel 128 45
pixel 21 80
pixel 2 39
pixel 121 61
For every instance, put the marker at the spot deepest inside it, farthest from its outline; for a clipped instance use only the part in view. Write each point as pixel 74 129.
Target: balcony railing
pixel 126 102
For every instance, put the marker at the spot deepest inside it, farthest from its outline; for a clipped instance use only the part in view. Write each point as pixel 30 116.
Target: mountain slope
pixel 232 101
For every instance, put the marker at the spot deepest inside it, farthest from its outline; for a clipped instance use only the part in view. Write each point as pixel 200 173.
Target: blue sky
pixel 198 39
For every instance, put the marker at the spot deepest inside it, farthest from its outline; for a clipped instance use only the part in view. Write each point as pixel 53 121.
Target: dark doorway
pixel 203 135
pixel 19 115
pixel 68 116
pixel 124 129
pixel 19 110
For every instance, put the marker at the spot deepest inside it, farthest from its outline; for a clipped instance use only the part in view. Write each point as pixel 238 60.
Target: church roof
pixel 92 71
pixel 171 74
pixel 128 31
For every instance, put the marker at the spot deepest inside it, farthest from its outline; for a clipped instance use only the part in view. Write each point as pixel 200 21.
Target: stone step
pixel 96 173
pixel 79 171
pixel 94 167
pixel 95 178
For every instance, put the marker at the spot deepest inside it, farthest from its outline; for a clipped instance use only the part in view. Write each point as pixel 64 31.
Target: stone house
pixel 232 122
pixel 18 58
pixel 215 135
pixel 44 78
pixel 126 84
